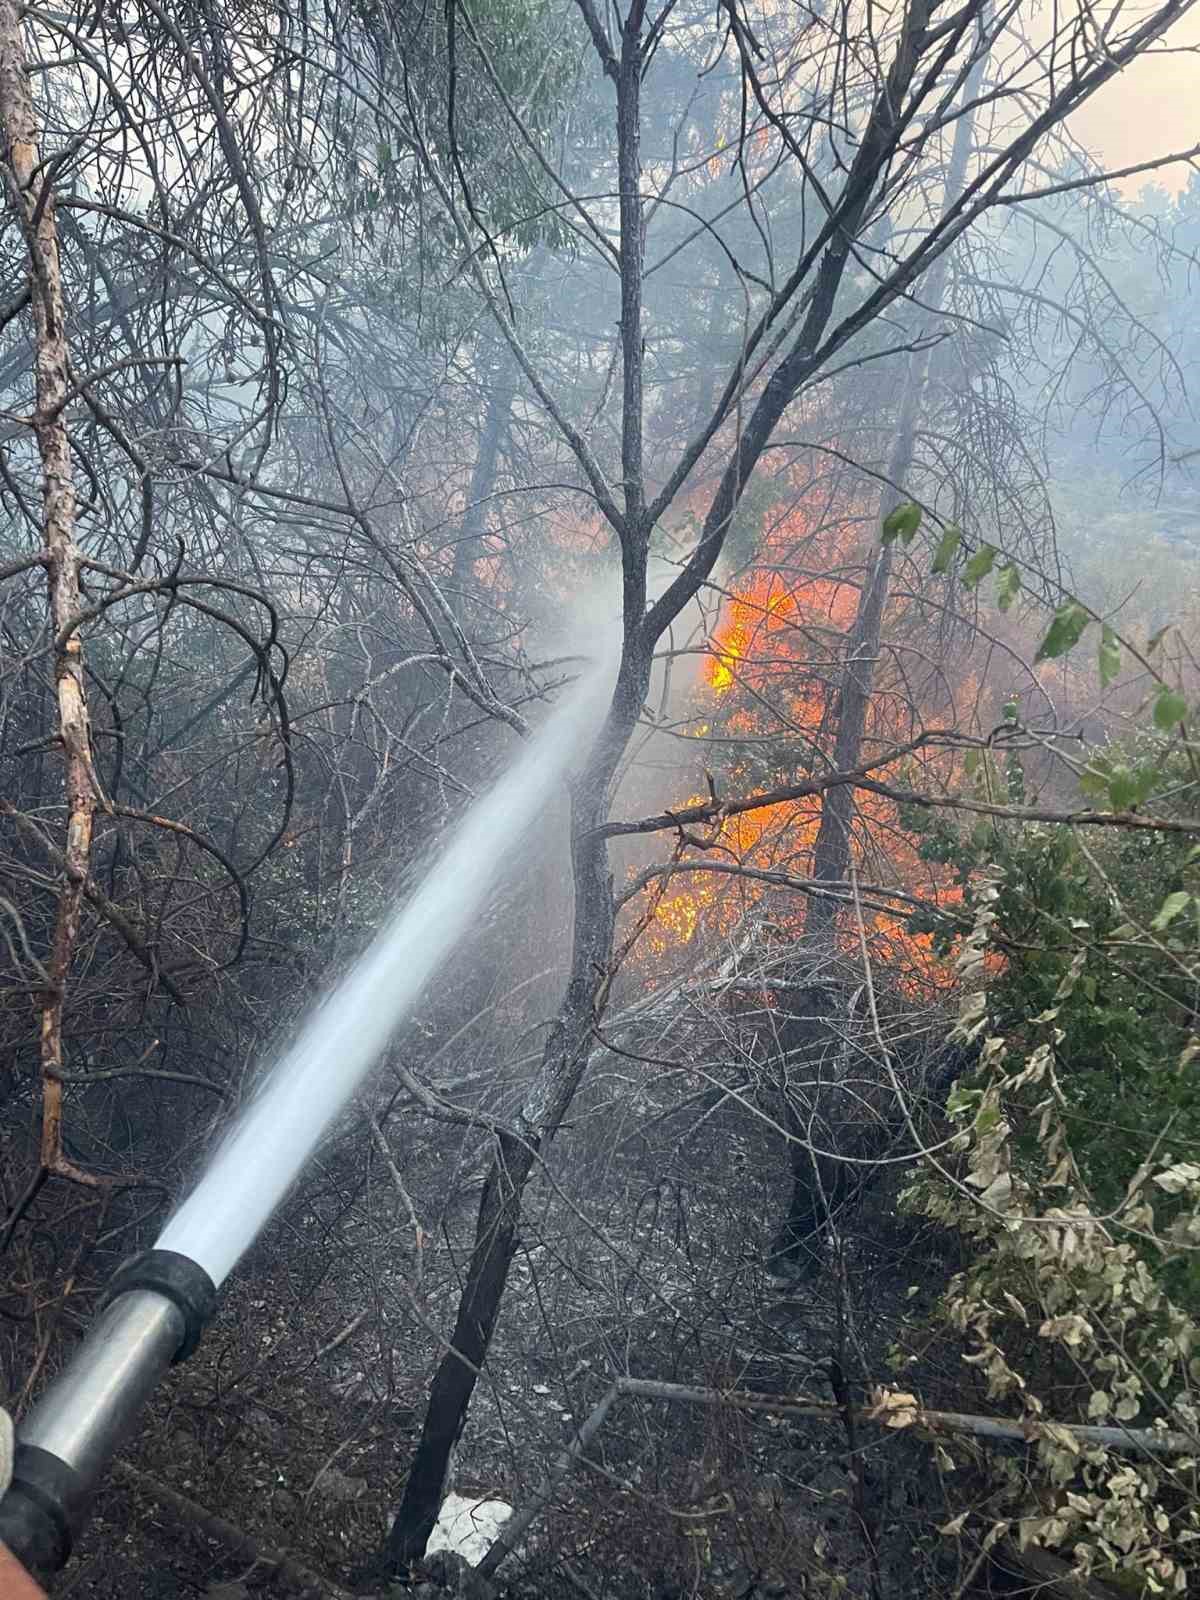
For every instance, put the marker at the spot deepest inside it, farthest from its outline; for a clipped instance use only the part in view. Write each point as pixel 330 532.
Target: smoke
pixel 257 1162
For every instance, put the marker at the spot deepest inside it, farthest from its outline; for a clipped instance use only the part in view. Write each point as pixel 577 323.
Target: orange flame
pixel 758 658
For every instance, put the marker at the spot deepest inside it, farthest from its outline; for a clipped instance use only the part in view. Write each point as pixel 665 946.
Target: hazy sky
pixel 1150 109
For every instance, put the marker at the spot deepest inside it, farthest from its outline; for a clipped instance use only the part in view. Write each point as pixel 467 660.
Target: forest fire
pixel 433 441
pixel 770 622
pixel 771 703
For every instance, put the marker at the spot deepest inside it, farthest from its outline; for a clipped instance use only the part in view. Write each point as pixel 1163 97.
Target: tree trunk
pixel 454 1381
pixel 818 1185
pixel 568 1047
pixel 565 1058
pixel 30 194
pixel 831 853
pixel 819 1117
pixel 563 1064
pixel 473 528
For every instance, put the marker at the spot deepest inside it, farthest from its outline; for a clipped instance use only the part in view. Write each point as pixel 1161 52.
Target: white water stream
pixel 258 1160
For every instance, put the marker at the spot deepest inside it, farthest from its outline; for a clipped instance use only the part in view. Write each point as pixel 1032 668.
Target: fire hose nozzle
pixel 178 1279
pixel 152 1317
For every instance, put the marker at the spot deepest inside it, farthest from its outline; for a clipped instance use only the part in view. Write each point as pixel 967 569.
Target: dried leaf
pixel 894 1408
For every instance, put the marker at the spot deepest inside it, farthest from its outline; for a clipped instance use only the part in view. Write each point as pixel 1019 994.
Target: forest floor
pixel 295 1420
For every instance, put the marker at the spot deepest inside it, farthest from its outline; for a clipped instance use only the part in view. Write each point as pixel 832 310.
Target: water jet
pixel 158 1303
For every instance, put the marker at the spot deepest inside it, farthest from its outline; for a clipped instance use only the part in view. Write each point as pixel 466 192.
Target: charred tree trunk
pixel 563 1064
pixel 454 1382
pixel 831 852
pixel 821 1185
pixel 831 1142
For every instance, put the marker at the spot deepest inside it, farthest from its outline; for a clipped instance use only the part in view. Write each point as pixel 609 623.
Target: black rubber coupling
pixel 45 1501
pixel 178 1279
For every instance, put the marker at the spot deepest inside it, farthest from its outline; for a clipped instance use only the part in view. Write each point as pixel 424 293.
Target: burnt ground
pixel 644 1253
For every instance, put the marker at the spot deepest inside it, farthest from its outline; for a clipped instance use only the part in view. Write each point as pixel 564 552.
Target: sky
pixel 1150 109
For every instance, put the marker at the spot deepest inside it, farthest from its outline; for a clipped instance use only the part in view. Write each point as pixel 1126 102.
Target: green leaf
pixel 1122 789
pixel 1125 786
pixel 1147 776
pixel 1108 656
pixel 1011 709
pixel 1169 708
pixel 980 564
pixel 947 549
pixel 961 1100
pixel 1008 586
pixel 971 762
pixel 1064 632
pixel 986 1118
pixel 1170 909
pixel 1094 781
pixel 902 524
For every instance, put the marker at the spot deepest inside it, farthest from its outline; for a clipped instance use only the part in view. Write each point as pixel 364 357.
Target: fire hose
pixel 151 1319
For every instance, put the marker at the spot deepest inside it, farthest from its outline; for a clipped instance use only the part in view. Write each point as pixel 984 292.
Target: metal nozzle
pixel 155 1310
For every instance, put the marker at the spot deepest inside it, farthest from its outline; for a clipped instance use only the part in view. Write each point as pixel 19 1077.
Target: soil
pixel 297 1416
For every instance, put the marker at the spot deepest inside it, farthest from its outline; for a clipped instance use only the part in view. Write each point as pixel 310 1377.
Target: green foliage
pixel 902 524
pixel 1121 778
pixel 1109 909
pixel 391 190
pixel 1170 708
pixel 1008 586
pixel 980 564
pixel 1065 632
pixel 1080 1303
pixel 1108 657
pixel 947 549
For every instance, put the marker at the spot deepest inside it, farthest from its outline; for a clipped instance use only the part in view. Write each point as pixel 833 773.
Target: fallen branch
pixel 517 1525
pixel 238 1542
pixel 890 1410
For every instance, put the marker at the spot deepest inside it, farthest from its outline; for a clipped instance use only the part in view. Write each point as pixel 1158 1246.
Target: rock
pixel 446 1568
pixel 271 1433
pixel 449 1573
pixel 339 1487
pixel 285 1504
pixel 227 1591
pixel 467 1526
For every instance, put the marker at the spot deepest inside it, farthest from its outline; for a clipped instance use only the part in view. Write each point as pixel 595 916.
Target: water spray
pixel 158 1303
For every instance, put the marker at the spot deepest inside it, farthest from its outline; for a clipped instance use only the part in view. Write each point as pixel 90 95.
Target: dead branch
pixel 234 1539
pixel 890 1410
